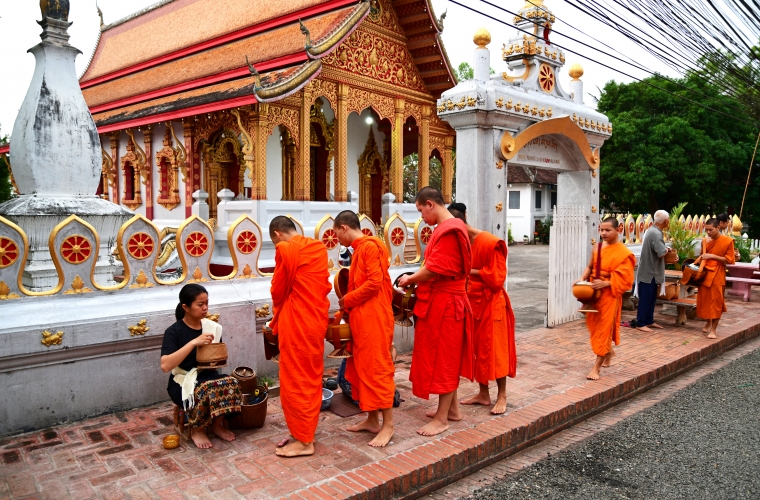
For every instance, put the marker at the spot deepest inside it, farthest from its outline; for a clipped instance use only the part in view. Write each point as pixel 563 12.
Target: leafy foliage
pixel 466 72
pixel 681 239
pixel 665 149
pixel 411 176
pixel 743 247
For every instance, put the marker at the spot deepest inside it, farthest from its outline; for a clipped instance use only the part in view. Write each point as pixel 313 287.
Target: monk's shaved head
pixel 457 214
pixel 347 218
pixel 281 224
pixel 429 194
pixel 712 222
pixel 612 221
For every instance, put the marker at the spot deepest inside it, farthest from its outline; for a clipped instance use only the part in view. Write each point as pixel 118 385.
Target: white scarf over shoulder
pixel 186 379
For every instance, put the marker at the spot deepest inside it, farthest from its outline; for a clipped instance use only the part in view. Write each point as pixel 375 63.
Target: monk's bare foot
pixel 433 428
pixel 383 437
pixel 706 329
pixel 200 438
pixel 454 414
pixel 593 374
pixel 608 359
pixel 295 449
pixel 221 432
pixel 712 335
pixel 478 399
pixel 500 407
pixel 644 329
pixel 655 325
pixel 394 354
pixel 366 425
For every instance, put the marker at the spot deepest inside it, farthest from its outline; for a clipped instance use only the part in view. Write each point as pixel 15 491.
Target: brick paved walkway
pixel 120 455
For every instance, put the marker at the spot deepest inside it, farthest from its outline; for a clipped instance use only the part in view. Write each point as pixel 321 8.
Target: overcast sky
pixel 19 32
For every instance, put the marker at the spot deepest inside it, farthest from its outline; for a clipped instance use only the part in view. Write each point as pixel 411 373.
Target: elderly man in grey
pixel 651 274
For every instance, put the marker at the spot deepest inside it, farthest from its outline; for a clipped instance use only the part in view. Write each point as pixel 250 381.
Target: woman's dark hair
pixel 187 296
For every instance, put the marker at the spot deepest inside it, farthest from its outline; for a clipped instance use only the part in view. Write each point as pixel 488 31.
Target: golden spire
pixel 575 71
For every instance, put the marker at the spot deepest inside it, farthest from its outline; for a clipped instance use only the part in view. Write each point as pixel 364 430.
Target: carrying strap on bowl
pixel 598 269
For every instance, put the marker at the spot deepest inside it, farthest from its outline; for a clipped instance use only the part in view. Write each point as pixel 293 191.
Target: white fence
pixel 568 239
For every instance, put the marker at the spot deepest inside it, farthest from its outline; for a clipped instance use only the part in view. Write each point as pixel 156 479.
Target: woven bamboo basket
pixel 251 416
pixel 671 291
pixel 246 378
pixel 211 355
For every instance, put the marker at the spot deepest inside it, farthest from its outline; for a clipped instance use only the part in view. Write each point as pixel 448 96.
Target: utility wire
pixel 733 117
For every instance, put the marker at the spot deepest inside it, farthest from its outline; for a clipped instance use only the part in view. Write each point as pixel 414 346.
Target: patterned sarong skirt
pixel 214 398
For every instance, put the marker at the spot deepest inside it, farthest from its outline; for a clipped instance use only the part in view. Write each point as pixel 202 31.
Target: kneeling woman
pixel 208 395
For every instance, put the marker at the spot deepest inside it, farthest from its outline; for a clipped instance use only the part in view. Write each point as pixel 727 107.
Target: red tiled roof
pixel 526 175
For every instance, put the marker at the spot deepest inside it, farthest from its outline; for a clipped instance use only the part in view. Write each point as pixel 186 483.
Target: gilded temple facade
pixel 316 101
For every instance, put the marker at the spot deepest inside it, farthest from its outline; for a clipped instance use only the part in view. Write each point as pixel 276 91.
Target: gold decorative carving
pixel 549 113
pixel 108 172
pixel 562 126
pixel 500 102
pixel 593 173
pixel 49 338
pixel 213 317
pixel 383 15
pixel 499 207
pixel 141 281
pixel 393 62
pixel 593 209
pixel 593 241
pixel 471 101
pixel 359 100
pixel 499 164
pixel 524 76
pixel 247 273
pixel 168 170
pixel 279 115
pixel 263 311
pixel 77 287
pixel 461 103
pixel 326 89
pixel 197 276
pixel 141 328
pixel 370 163
pixel 135 158
pixel 5 292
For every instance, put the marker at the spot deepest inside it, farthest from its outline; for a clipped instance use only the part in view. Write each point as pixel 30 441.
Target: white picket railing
pixel 568 237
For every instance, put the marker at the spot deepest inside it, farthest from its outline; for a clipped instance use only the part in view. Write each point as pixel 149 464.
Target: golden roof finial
pixel 482 38
pixel 533 3
pixel 575 71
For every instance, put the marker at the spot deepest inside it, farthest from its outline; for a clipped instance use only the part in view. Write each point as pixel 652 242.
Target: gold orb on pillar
pixel 482 38
pixel 575 71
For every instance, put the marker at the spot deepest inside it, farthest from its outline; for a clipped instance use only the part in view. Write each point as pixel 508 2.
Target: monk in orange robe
pixel 494 326
pixel 300 286
pixel 717 251
pixel 443 349
pixel 368 301
pixel 615 278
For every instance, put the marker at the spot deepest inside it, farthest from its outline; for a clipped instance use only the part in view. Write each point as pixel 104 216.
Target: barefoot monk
pixel 299 290
pixel 614 279
pixel 368 301
pixel 443 328
pixel 717 251
pixel 494 332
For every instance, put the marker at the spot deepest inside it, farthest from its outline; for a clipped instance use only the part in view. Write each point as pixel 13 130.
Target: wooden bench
pixel 742 286
pixel 681 306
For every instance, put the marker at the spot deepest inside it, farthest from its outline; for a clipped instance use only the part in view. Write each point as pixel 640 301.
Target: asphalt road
pixel 702 443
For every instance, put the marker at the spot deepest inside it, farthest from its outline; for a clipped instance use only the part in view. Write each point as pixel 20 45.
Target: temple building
pixel 303 101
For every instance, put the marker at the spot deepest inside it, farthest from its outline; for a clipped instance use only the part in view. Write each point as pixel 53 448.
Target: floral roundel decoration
pixel 140 245
pixel 196 244
pixel 631 228
pixel 246 242
pixel 397 236
pixel 546 78
pixel 76 249
pixel 366 231
pixel 425 235
pixel 330 239
pixel 8 252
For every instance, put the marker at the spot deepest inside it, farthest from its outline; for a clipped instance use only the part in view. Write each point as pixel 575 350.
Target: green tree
pixel 466 72
pixel 665 150
pixel 435 170
pixel 6 189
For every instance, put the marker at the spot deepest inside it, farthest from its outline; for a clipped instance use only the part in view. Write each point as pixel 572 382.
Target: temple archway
pixel 371 179
pixel 322 149
pixel 224 168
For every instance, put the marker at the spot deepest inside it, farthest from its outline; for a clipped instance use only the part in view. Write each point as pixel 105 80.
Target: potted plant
pixel 510 238
pixel 681 239
pixel 526 240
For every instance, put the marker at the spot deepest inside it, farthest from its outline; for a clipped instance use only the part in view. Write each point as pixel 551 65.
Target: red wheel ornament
pixel 330 239
pixel 546 78
pixel 366 231
pixel 76 249
pixel 425 235
pixel 196 244
pixel 397 236
pixel 140 245
pixel 246 242
pixel 8 252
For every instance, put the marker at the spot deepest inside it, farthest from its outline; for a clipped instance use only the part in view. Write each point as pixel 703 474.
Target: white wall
pixel 274 166
pixel 523 219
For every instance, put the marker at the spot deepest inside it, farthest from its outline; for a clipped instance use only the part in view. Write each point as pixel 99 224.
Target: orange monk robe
pixel 443 328
pixel 299 290
pixel 617 267
pixel 494 332
pixel 710 297
pixel 368 301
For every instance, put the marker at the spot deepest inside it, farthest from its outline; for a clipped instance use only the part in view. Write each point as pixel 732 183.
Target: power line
pixel 609 67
